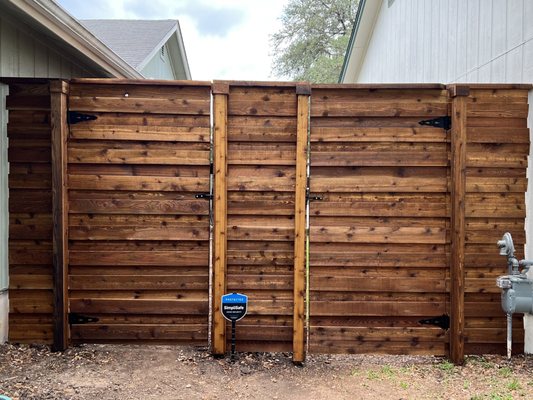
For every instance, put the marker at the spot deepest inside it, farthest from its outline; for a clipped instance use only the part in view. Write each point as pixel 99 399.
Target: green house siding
pixel 160 67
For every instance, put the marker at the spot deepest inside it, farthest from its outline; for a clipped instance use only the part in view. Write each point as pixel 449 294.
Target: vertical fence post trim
pixel 220 123
pixel 59 129
pixel 458 94
pixel 298 341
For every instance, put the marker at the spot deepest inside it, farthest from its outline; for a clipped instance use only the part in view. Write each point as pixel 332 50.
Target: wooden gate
pixel 379 232
pixel 138 235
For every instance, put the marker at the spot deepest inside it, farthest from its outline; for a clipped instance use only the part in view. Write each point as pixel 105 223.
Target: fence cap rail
pixel 379 86
pixel 151 82
pixel 518 86
pixel 261 83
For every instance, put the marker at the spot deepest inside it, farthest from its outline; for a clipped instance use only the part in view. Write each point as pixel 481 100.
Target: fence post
pixel 220 123
pixel 303 93
pixel 458 95
pixel 58 110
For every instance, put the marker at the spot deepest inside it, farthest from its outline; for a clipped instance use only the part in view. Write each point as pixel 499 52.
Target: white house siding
pixel 160 67
pixel 456 41
pixel 451 41
pixel 24 54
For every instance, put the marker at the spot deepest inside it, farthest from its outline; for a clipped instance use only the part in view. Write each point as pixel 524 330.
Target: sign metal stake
pixel 233 340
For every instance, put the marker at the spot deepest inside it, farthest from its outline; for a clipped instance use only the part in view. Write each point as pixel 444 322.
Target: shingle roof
pixel 132 40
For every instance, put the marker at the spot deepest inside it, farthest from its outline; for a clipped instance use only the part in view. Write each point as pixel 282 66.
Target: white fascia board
pixel 362 34
pixel 183 53
pixel 55 19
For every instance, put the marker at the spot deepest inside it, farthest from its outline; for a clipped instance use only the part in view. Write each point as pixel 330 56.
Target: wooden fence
pixel 109 217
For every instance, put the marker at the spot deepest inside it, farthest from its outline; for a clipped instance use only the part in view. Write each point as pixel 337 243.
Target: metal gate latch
pixel 74 117
pixel 206 196
pixel 442 322
pixel 78 319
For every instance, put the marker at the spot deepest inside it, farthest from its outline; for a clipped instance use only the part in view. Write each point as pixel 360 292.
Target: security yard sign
pixel 234 306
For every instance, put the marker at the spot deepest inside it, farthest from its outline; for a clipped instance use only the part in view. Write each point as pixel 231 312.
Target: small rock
pixel 246 370
pixel 188 386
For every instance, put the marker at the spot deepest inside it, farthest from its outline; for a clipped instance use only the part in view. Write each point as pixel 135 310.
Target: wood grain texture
pixel 496 155
pixel 30 205
pixel 299 230
pixel 263 175
pixel 58 96
pixel 458 234
pixel 220 123
pixel 138 234
pixel 379 233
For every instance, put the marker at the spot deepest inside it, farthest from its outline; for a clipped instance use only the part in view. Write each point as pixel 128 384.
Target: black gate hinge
pixel 74 117
pixel 206 196
pixel 440 122
pixel 442 322
pixel 77 319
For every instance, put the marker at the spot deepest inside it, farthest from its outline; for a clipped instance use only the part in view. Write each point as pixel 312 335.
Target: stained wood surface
pixel 59 91
pixel 496 162
pixel 380 233
pixel 138 235
pixel 299 279
pixel 30 208
pixel 380 254
pixel 220 226
pixel 262 179
pixel 459 164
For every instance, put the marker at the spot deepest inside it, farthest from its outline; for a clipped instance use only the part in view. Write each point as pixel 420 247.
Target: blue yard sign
pixel 234 306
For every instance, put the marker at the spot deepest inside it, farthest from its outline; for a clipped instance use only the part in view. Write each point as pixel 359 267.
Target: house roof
pixel 133 40
pixel 363 27
pixel 47 17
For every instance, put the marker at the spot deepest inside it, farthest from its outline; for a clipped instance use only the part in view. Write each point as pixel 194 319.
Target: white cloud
pixel 235 47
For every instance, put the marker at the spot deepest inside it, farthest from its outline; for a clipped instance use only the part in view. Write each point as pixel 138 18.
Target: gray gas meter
pixel 517 289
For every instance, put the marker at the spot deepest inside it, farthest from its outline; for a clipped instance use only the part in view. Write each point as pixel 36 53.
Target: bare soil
pixel 169 372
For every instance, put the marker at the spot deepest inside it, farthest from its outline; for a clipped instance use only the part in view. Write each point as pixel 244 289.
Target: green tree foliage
pixel 313 39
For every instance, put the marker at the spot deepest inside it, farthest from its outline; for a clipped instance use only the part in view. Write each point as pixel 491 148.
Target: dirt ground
pixel 168 372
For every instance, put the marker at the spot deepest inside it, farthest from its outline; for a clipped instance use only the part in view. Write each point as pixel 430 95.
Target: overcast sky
pixel 224 39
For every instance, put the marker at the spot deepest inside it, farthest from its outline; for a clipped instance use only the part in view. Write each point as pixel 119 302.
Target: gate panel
pixel 262 126
pixel 380 234
pixel 138 236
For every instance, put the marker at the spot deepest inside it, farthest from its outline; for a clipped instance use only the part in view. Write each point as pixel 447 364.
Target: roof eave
pixel 54 18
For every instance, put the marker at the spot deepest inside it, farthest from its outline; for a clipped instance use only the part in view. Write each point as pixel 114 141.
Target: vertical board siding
pixel 138 236
pixel 261 202
pixel 380 235
pixel 27 53
pixel 461 41
pixel 496 161
pixel 30 213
